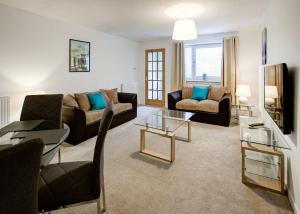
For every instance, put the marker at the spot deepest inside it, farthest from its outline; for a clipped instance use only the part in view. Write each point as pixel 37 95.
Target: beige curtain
pixel 178 76
pixel 230 66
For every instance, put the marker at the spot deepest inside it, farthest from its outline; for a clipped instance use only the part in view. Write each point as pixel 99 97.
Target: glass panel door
pixel 154 76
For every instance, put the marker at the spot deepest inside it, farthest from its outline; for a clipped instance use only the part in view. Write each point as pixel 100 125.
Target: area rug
pixel 204 178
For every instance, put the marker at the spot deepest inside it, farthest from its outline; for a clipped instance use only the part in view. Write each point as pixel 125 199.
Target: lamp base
pixel 269 101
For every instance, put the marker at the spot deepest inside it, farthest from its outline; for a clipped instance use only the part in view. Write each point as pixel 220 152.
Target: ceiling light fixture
pixel 184 11
pixel 184 29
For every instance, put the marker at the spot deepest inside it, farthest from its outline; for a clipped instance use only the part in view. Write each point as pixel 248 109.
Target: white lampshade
pixel 184 29
pixel 243 91
pixel 271 91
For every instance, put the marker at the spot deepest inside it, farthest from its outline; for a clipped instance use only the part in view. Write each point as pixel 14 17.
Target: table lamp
pixel 271 93
pixel 243 91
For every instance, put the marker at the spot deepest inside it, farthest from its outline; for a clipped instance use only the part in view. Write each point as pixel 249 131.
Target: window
pixel 203 62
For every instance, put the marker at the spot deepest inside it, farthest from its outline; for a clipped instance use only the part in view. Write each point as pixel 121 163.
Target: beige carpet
pixel 205 177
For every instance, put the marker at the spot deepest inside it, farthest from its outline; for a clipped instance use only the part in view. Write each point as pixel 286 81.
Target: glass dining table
pixel 51 132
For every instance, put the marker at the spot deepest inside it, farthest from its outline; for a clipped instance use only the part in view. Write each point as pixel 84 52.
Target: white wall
pixel 34 56
pixel 283 46
pixel 248 57
pixel 249 60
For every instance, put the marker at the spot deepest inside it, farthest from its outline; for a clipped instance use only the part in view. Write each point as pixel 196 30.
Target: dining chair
pixel 74 183
pixel 19 174
pixel 44 107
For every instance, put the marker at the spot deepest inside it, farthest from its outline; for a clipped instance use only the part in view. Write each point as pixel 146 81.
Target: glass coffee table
pixel 164 122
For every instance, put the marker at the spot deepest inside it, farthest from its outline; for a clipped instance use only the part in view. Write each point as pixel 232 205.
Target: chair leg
pixel 103 195
pixel 99 211
pixel 59 155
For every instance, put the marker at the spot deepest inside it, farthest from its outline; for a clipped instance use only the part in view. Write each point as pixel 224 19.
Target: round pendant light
pixel 184 29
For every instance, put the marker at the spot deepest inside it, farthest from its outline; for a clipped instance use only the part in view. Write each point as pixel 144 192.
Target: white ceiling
pixel 145 19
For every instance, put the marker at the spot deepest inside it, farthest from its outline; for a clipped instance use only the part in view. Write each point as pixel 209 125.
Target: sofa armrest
pixel 225 106
pixel 79 118
pixel 173 98
pixel 128 98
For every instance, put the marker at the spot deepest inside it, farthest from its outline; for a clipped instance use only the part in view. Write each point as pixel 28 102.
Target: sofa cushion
pixel 187 92
pixel 187 104
pixel 70 101
pixel 83 101
pixel 113 95
pixel 208 105
pixel 200 92
pixel 216 93
pixel 120 107
pixel 93 116
pixel 97 101
pixel 103 91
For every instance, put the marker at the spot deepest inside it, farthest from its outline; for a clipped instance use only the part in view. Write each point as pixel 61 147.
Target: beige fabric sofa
pixel 216 109
pixel 84 122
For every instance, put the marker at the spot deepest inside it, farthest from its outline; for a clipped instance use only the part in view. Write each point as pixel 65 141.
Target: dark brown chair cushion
pixel 65 183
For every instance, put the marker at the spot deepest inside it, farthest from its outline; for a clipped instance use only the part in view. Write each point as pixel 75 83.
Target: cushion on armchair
pixel 187 92
pixel 208 106
pixel 216 93
pixel 200 92
pixel 187 104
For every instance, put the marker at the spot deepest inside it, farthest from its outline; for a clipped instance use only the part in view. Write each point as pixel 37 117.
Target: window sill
pixel 202 82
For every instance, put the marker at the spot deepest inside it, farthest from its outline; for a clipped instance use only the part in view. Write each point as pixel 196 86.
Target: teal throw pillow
pixel 97 101
pixel 200 92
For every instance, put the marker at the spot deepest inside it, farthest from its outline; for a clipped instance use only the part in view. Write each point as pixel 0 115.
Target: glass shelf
pixel 258 135
pixel 262 165
pixel 262 157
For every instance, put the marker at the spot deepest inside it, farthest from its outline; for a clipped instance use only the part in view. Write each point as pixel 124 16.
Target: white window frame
pixel 194 48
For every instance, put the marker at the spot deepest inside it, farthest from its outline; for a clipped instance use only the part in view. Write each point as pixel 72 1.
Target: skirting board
pixel 281 137
pixel 293 204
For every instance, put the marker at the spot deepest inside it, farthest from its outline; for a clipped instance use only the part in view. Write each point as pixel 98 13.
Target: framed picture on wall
pixel 264 46
pixel 79 56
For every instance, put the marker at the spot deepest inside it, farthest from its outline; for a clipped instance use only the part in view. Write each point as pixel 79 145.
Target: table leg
pixel 189 137
pixel 189 131
pixel 172 148
pixel 145 151
pixel 142 140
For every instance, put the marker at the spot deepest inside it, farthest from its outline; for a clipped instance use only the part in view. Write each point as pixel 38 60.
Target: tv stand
pixel 262 157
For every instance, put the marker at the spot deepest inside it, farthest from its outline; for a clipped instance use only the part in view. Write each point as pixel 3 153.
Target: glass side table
pixel 242 110
pixel 262 158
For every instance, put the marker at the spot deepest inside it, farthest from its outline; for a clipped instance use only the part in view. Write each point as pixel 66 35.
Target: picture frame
pixel 79 56
pixel 264 46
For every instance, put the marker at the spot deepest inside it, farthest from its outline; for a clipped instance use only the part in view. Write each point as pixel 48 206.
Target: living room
pixel 180 139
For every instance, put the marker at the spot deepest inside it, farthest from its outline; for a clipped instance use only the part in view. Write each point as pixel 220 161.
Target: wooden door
pixel 155 77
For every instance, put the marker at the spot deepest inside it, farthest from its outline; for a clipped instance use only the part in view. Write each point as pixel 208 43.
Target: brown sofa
pixel 84 123
pixel 215 110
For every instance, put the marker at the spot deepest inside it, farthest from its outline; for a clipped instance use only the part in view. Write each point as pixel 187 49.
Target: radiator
pixel 4 111
pixel 129 87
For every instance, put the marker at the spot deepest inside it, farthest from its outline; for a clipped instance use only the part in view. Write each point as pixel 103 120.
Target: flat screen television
pixel 277 96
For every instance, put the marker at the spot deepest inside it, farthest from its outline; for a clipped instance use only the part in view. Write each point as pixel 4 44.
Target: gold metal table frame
pixel 162 133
